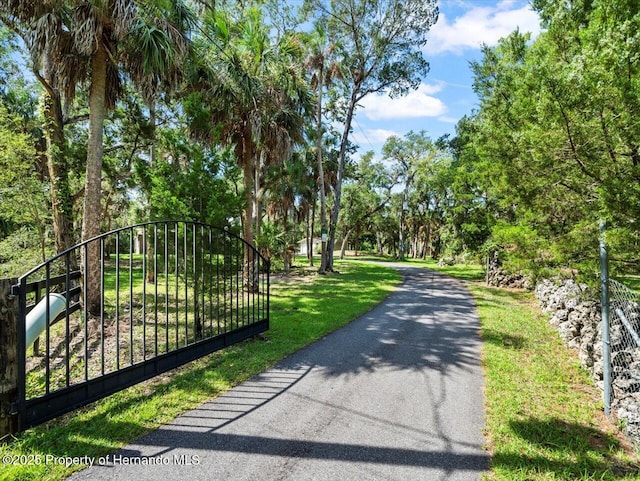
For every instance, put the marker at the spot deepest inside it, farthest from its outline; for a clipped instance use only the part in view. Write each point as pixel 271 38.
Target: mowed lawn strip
pixel 544 418
pixel 303 309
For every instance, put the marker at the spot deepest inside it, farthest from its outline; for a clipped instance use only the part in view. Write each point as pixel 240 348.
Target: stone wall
pixel 498 277
pixel 576 314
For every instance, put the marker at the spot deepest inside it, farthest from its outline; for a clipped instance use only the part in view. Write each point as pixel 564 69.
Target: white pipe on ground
pixel 36 321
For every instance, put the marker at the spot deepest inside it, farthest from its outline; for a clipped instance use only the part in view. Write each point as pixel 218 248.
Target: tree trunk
pixel 60 192
pixel 356 241
pixel 405 197
pixel 323 200
pixel 9 358
pixel 414 242
pixel 248 197
pixel 345 241
pixel 425 241
pixel 150 247
pixel 257 208
pixel 285 250
pixel 338 190
pixel 309 236
pixel 379 246
pixel 91 220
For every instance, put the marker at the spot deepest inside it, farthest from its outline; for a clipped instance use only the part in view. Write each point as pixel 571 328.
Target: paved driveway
pixel 395 395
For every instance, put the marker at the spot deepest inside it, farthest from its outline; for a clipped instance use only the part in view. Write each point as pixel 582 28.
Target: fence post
pixel 8 358
pixel 606 345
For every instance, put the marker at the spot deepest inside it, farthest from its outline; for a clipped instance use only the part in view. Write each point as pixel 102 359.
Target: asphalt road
pixel 395 395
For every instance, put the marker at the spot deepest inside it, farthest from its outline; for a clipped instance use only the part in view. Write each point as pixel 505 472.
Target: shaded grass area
pixel 301 312
pixel 544 417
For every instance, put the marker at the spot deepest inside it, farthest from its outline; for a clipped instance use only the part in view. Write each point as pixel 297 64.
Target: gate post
pixel 8 358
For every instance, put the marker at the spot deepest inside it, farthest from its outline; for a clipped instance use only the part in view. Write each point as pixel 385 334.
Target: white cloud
pixel 418 103
pixel 480 24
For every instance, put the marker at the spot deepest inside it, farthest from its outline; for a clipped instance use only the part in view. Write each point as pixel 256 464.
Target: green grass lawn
pixel 299 316
pixel 631 281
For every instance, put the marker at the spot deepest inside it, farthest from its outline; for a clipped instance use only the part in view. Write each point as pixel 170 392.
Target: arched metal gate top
pixel 127 305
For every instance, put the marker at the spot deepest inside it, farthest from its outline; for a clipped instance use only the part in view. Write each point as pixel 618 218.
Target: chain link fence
pixel 624 341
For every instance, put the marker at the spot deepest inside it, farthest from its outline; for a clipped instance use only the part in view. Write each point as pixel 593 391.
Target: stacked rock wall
pixel 498 277
pixel 577 316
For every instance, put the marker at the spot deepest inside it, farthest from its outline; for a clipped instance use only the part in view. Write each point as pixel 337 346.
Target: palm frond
pixel 125 15
pixel 87 29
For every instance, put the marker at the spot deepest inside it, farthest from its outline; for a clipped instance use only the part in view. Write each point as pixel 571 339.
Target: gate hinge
pixel 13 409
pixel 15 289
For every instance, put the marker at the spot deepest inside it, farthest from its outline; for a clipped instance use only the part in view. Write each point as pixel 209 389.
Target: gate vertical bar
pixel 237 267
pixel 606 345
pixel 155 289
pixel 210 269
pixel 86 328
pixel 203 282
pixel 197 307
pixel 47 357
pixel 225 269
pixel 218 282
pixel 117 311
pixel 22 354
pixel 166 287
pixel 131 357
pixel 186 285
pixel 175 274
pixel 145 268
pixel 102 304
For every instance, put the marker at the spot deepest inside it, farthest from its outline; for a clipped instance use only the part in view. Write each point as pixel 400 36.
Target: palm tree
pixel 90 41
pixel 146 39
pixel 253 95
pixel 291 187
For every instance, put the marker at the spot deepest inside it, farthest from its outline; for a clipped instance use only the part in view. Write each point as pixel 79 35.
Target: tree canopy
pixel 240 114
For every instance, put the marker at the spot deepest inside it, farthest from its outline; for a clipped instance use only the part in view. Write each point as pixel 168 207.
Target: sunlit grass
pixel 631 281
pixel 302 311
pixel 465 272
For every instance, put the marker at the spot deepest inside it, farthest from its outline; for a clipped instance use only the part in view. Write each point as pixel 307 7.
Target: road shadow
pixel 428 323
pixel 199 430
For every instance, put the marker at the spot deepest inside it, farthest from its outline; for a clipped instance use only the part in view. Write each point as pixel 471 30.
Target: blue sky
pixel 446 93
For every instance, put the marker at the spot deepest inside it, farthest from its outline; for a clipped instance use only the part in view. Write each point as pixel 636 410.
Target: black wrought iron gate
pixel 128 305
